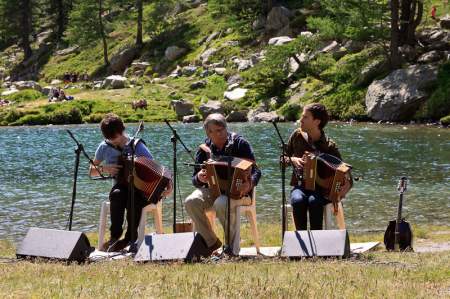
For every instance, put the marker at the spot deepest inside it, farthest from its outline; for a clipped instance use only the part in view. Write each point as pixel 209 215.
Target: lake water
pixel 36 173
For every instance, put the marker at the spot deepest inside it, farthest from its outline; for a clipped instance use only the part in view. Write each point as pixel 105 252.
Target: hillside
pixel 200 57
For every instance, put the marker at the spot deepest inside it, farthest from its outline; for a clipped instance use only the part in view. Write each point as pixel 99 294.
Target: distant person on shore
pixel 108 157
pixel 309 137
pixel 433 13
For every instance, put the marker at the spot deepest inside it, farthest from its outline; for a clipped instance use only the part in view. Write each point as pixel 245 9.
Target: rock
pixel 182 108
pixel 266 117
pixel 114 82
pixel 46 90
pixel 234 79
pixel 212 36
pixel 398 96
pixel 237 116
pixel 408 52
pixel 231 43
pixel 177 72
pixel 21 85
pixel 55 82
pixel 205 73
pixel 294 65
pixel 191 118
pixel 122 60
pixel 204 57
pixel 211 107
pixel 198 84
pixel 306 34
pixel 188 70
pixel 430 57
pixel 371 71
pixel 276 102
pixel 67 51
pixel 140 65
pixel 244 64
pixel 445 23
pixel 278 18
pixel 229 31
pixel 353 46
pixel 220 70
pixel 42 36
pixel 232 86
pixel 263 107
pixel 9 92
pixel 235 94
pixel 285 31
pixel 280 40
pixel 174 52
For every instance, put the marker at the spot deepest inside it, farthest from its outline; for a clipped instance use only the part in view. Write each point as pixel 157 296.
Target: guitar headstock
pixel 402 184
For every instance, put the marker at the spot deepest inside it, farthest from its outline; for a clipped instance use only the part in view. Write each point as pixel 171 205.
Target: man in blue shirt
pixel 220 142
pixel 109 158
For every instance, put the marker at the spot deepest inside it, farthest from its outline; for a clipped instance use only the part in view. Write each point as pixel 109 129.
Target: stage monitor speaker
pixel 54 244
pixel 165 247
pixel 316 243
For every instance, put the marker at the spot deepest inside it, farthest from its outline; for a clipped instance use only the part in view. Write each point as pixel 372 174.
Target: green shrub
pixel 13 115
pixel 291 111
pixel 93 118
pixel 438 105
pixel 72 116
pixel 346 102
pixel 25 95
pixel 446 120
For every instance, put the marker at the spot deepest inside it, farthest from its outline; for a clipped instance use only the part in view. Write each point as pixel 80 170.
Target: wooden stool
pixel 327 212
pixel 155 209
pixel 249 211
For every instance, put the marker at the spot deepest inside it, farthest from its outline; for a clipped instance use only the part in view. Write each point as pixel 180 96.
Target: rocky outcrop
pixel 445 23
pixel 191 118
pixel 430 57
pixel 204 57
pixel 278 20
pixel 398 96
pixel 266 117
pixel 279 40
pixel 198 84
pixel 67 51
pixel 211 107
pixel 182 108
pixel 21 85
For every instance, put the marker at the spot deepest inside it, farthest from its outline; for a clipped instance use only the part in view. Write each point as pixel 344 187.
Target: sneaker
pixel 215 246
pixel 118 245
pixel 109 243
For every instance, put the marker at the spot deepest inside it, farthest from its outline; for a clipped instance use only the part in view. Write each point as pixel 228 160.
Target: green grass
pixel 372 275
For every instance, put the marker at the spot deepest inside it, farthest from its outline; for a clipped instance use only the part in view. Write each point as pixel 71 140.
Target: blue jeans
pixel 304 200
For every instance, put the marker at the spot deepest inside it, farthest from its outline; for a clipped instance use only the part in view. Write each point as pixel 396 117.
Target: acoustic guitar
pixel 398 234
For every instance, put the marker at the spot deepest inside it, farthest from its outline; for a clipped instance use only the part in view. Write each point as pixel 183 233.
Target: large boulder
pixel 114 82
pixel 211 107
pixel 21 85
pixel 46 90
pixel 278 18
pixel 371 71
pixel 266 117
pixel 445 23
pixel 174 52
pixel 237 116
pixel 9 92
pixel 198 84
pixel 398 96
pixel 429 57
pixel 122 60
pixel 67 51
pixel 188 70
pixel 235 94
pixel 182 108
pixel 212 36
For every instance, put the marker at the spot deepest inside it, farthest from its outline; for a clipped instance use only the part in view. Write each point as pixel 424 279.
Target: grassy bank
pixel 376 274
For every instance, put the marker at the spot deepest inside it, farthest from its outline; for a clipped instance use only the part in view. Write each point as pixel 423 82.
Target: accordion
pixel 328 175
pixel 217 172
pixel 150 178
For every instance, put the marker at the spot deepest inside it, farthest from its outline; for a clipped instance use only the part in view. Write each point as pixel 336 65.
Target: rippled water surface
pixel 36 173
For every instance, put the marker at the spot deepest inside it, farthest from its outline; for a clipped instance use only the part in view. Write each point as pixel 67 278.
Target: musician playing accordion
pixel 219 142
pixel 309 137
pixel 109 158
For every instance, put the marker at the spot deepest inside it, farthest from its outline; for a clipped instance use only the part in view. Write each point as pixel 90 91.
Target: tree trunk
pixel 139 24
pixel 394 55
pixel 102 32
pixel 405 18
pixel 61 18
pixel 25 29
pixel 410 18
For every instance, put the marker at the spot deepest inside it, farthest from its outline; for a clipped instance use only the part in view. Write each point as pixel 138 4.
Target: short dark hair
pixel 318 111
pixel 111 125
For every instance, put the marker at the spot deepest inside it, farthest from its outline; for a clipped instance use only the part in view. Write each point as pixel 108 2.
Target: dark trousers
pixel 119 202
pixel 304 200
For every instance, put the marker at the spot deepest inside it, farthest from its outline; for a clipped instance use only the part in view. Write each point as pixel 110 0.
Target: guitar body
pixel 405 235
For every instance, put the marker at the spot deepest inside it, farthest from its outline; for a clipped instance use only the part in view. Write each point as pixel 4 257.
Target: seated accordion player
pixel 328 175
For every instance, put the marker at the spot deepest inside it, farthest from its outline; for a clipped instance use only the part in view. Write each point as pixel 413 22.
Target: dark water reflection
pixel 36 173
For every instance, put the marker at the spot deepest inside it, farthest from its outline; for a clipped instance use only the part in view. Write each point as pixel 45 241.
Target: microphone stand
pixel 174 139
pixel 78 151
pixel 283 183
pixel 228 193
pixel 131 198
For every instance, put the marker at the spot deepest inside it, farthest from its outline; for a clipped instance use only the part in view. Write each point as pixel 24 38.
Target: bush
pixel 291 111
pixel 446 120
pixel 93 118
pixel 346 102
